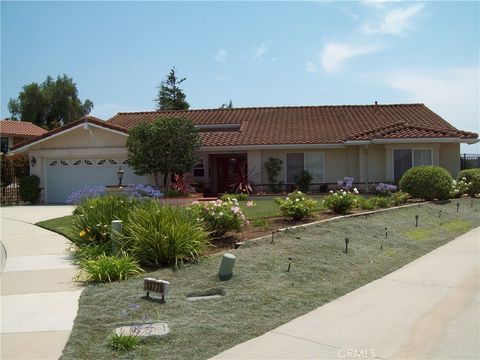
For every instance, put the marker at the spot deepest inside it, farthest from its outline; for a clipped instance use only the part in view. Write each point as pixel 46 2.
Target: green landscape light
pixel 347 240
pixel 458 205
pixel 439 214
pixel 416 220
pixel 289 263
pixel 273 237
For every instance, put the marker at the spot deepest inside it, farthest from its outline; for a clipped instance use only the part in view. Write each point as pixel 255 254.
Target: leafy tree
pixel 165 146
pixel 50 104
pixel 170 96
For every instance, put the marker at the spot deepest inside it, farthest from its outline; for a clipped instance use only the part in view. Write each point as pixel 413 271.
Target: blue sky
pixel 254 53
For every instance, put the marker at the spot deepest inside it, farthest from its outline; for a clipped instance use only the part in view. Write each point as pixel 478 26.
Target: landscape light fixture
pixel 416 220
pixel 289 263
pixel 347 240
pixel 439 214
pixel 386 233
pixel 120 176
pixel 458 205
pixel 273 237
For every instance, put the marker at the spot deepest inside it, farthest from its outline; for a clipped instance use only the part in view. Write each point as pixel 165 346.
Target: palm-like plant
pixel 242 182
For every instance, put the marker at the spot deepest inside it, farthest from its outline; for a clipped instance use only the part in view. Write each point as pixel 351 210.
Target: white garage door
pixel 66 175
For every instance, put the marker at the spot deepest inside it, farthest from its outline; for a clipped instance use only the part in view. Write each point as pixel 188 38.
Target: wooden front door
pixel 227 170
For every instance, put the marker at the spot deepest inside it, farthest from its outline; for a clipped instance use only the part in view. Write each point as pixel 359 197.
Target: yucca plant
pixel 164 235
pixel 242 182
pixel 106 268
pixel 183 184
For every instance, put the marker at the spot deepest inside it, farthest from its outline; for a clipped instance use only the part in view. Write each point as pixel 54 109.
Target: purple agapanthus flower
pixel 346 183
pixel 140 190
pixel 386 189
pixel 86 192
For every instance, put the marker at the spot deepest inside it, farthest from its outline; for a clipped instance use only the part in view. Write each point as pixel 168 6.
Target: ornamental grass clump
pixel 296 206
pixel 93 217
pixel 341 201
pixel 105 268
pixel 164 235
pixel 220 216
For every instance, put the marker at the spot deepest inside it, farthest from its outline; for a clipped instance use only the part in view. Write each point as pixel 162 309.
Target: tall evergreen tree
pixel 53 103
pixel 170 96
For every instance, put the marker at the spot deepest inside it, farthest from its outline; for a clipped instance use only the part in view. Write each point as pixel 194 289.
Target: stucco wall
pixel 450 158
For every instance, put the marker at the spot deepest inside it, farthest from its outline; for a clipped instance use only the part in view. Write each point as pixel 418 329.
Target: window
pixel 404 159
pixel 4 145
pixel 199 169
pixel 310 161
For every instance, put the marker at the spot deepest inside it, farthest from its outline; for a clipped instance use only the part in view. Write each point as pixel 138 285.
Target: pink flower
pixel 250 204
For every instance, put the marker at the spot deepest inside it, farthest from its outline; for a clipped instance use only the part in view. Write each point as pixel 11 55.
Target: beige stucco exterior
pixel 372 163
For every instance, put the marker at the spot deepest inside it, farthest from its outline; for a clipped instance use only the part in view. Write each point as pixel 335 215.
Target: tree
pixel 50 104
pixel 165 146
pixel 170 96
pixel 227 106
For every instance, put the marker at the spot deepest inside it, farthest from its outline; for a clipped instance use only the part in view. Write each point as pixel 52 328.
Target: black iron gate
pixel 11 170
pixel 469 161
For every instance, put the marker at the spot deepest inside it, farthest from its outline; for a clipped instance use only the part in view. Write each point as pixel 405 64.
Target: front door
pixel 228 169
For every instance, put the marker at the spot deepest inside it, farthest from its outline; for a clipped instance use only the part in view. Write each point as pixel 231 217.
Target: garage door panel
pixel 64 176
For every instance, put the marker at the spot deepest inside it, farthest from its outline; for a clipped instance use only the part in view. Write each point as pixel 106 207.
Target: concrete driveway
pixel 429 309
pixel 38 297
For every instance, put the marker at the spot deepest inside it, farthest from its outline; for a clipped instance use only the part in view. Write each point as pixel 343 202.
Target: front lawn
pixel 262 294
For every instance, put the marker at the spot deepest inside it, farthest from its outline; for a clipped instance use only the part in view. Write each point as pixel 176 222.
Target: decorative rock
pixel 144 330
pixel 208 297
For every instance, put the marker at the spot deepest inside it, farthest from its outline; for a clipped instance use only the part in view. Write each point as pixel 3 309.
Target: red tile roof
pixel 309 124
pixel 20 128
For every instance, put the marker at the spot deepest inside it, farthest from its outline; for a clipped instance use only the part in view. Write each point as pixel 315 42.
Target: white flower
pixel 220 214
pixel 355 190
pixel 297 200
pixel 331 191
pixel 287 198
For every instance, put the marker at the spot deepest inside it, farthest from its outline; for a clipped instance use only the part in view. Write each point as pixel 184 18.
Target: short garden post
pixel 226 267
pixel 117 231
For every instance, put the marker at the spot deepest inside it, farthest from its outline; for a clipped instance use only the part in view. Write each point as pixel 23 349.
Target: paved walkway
pixel 38 298
pixel 429 309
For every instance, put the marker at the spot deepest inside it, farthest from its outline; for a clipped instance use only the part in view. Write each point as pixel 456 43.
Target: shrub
pixel 366 204
pixel 381 201
pixel 472 176
pixel 427 182
pixel 164 235
pixel 183 184
pixel 141 190
pixel 385 189
pixel 85 193
pixel 172 193
pixel 29 188
pixel 399 198
pixel 459 188
pixel 220 216
pixel 296 206
pixel 273 167
pixel 106 268
pixel 123 342
pixel 93 217
pixel 238 197
pixel 341 201
pixel 303 180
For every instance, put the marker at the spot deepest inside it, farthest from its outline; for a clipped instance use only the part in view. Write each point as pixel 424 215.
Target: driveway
pixel 429 309
pixel 38 298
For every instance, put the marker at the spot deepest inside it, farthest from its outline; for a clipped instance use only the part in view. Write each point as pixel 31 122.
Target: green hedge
pixel 427 182
pixel 472 176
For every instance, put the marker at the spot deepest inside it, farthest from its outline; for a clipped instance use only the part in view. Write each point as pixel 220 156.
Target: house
pixel 15 132
pixel 371 143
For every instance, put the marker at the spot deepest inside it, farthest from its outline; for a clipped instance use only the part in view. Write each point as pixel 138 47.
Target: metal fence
pixel 11 172
pixel 469 161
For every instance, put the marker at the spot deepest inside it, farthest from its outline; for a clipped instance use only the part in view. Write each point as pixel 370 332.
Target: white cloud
pixel 378 4
pixel 220 55
pixel 396 21
pixel 452 93
pixel 334 54
pixel 310 66
pixel 260 50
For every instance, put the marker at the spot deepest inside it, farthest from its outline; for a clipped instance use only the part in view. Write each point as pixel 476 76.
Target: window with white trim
pixel 404 159
pixel 199 168
pixel 309 161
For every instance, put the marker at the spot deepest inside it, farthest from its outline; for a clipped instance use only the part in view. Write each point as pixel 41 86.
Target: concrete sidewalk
pixel 429 309
pixel 39 300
